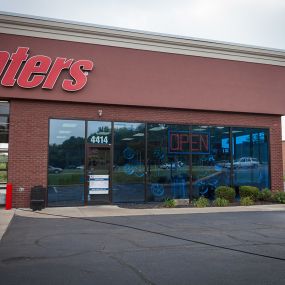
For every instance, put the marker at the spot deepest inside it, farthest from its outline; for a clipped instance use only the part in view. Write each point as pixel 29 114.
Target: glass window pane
pixel 4 108
pixel 129 162
pixel 213 169
pixel 66 162
pixel 250 154
pixel 3 160
pixel 99 132
pixel 3 176
pixel 168 164
pixel 4 129
pixel 4 140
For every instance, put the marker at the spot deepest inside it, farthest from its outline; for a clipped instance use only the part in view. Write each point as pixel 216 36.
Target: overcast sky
pixel 251 22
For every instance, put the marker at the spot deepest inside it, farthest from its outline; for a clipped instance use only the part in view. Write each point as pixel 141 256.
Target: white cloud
pixel 253 22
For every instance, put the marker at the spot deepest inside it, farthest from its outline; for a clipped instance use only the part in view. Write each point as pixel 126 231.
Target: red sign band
pixel 39 69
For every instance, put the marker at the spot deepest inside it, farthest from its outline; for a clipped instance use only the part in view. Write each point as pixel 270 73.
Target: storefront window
pixel 147 162
pixel 168 163
pixel 250 155
pixel 4 136
pixel 66 162
pixel 211 169
pixel 129 162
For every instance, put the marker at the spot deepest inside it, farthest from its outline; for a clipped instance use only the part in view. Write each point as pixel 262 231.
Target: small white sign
pixel 98 184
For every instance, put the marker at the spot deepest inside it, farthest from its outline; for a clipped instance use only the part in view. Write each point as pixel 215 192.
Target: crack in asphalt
pixel 138 272
pixel 165 235
pixel 32 258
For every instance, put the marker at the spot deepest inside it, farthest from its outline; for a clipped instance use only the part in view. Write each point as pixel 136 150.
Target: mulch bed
pixel 157 205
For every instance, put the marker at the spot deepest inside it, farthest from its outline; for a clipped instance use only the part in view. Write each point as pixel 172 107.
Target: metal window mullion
pixel 145 163
pixel 231 158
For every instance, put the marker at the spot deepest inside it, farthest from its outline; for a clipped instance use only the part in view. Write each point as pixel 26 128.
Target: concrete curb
pixel 5 219
pixel 116 211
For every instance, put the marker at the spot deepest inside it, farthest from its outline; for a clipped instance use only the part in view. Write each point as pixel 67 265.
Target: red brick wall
pixel 283 152
pixel 28 135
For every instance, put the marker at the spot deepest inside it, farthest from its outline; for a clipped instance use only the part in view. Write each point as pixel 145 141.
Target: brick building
pixel 283 155
pixel 106 115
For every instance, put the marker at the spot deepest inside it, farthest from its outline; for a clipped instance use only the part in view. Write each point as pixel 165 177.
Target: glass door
pixel 98 174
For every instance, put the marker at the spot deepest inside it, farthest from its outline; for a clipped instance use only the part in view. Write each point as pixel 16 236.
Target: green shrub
pixel 279 197
pixel 249 191
pixel 201 202
pixel 169 203
pixel 265 195
pixel 225 192
pixel 246 201
pixel 221 202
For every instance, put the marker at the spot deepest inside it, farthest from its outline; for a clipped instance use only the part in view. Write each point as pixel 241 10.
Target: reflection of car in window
pixel 55 170
pixel 70 167
pixel 222 163
pixel 80 167
pixel 244 162
pixel 172 165
pixel 208 160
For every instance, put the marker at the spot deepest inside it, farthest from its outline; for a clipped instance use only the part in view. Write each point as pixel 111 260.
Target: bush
pixel 201 202
pixel 279 197
pixel 249 191
pixel 221 202
pixel 225 192
pixel 265 195
pixel 169 203
pixel 246 201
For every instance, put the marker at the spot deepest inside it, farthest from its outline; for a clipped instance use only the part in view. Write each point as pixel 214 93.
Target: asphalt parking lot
pixel 213 248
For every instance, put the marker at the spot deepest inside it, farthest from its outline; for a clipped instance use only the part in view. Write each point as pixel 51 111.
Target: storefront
pixel 100 115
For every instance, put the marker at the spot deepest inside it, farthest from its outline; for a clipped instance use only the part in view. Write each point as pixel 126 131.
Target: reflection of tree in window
pixel 3 134
pixel 70 152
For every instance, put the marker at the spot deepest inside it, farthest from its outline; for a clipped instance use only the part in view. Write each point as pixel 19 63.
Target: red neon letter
pixel 36 64
pixel 4 57
pixel 195 144
pixel 184 139
pixel 174 138
pixel 204 141
pixel 17 59
pixel 59 65
pixel 77 72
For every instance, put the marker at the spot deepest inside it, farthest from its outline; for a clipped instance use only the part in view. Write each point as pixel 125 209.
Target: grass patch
pixel 246 201
pixel 169 203
pixel 221 202
pixel 202 202
pixel 279 197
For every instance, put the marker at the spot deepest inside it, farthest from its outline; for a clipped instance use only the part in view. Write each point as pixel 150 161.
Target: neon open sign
pixel 188 142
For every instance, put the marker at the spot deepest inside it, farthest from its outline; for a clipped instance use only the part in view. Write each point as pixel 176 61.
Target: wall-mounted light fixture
pixel 100 112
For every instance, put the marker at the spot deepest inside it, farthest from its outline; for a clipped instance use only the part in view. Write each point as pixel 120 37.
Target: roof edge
pixel 19 24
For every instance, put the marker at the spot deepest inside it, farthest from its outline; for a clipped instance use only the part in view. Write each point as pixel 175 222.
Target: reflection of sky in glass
pixel 225 143
pixel 242 139
pixel 96 126
pixel 129 126
pixel 61 130
pixel 256 137
pixel 4 107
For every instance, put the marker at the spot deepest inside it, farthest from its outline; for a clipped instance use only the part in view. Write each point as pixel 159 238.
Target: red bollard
pixel 9 196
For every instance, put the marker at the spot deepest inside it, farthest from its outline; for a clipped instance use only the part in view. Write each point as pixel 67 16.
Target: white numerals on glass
pixel 99 139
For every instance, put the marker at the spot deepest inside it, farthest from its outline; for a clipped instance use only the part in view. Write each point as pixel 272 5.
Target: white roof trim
pixel 18 24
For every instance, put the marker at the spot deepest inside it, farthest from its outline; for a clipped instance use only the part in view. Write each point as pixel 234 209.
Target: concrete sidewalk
pixel 115 211
pixel 5 219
